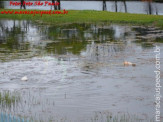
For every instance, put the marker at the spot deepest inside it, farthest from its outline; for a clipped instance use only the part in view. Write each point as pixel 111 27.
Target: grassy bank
pixel 74 16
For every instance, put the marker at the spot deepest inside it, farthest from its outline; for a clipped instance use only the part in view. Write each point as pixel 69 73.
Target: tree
pixel 116 8
pixel 59 6
pixel 125 5
pixel 22 4
pixel 1 4
pixel 56 5
pixel 104 5
pixel 149 6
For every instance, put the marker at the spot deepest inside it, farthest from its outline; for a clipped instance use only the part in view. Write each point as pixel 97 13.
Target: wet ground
pixel 75 72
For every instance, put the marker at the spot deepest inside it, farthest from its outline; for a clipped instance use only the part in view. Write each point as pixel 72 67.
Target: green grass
pixel 87 16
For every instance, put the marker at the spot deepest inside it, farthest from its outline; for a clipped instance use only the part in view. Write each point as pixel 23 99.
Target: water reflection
pixel 24 37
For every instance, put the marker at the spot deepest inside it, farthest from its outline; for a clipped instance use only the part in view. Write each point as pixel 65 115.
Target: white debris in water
pixel 24 78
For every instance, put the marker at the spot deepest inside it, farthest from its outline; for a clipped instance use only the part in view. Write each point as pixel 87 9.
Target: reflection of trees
pixel 102 51
pixel 65 46
pixel 73 38
pixel 102 33
pixel 69 38
pixel 9 35
pixel 12 38
pixel 147 36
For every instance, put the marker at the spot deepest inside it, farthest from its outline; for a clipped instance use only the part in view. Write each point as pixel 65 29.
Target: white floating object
pixel 24 78
pixel 126 63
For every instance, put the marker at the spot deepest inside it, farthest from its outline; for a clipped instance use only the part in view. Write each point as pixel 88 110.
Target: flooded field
pixel 75 72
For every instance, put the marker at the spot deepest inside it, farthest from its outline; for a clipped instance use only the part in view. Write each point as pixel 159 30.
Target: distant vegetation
pixel 81 16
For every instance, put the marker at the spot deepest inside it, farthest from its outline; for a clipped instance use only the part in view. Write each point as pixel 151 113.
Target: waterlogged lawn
pixel 76 72
pixel 80 16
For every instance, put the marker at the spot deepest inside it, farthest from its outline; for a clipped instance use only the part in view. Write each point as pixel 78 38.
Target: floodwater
pixel 131 6
pixel 75 72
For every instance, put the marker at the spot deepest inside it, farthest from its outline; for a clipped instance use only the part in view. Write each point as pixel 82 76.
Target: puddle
pixel 75 72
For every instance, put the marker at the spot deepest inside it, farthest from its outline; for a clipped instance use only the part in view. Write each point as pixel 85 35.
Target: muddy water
pixel 76 73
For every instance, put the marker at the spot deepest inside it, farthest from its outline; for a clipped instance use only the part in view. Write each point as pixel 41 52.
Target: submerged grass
pixel 7 98
pixel 87 16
